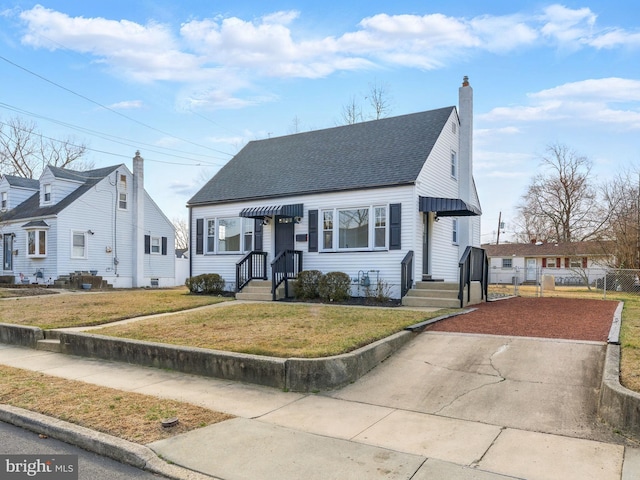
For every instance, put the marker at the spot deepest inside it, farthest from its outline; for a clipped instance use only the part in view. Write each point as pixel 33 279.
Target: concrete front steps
pixel 50 343
pixel 433 294
pixel 259 290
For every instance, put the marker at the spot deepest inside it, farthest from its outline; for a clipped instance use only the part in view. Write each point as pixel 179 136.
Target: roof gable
pixel 378 153
pixel 31 208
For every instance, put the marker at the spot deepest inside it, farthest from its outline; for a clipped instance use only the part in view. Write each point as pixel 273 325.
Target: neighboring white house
pixel 572 263
pixel 368 199
pixel 97 220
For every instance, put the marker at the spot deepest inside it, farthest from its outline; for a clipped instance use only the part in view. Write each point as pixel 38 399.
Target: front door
pixel 285 239
pixel 530 270
pixel 425 245
pixel 7 253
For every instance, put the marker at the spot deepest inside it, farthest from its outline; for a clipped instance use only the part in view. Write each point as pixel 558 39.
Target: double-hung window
pixel 155 245
pixel 4 200
pixel 47 193
pixel 361 228
pixel 507 263
pixel 454 165
pixel 78 244
pixel 211 236
pixel 122 194
pixel 36 243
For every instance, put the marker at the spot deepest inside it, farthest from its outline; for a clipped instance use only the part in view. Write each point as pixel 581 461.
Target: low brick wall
pixel 295 374
pixel 20 335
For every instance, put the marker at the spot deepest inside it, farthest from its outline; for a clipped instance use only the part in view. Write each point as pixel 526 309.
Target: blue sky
pixel 189 83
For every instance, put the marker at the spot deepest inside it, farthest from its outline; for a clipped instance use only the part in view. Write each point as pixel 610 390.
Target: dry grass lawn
pixel 281 330
pixel 87 308
pixel 127 415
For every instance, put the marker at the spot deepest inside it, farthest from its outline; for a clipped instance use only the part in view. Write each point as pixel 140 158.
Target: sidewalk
pixel 365 430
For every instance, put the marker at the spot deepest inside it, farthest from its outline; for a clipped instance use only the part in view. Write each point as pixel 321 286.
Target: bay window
pixel 36 243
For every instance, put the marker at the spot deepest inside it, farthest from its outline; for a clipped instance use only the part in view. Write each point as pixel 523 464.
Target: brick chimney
pixel 138 221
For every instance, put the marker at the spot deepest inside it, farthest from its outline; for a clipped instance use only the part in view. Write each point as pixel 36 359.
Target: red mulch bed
pixel 547 317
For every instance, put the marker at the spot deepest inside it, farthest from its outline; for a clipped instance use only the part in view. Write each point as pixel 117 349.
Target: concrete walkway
pixel 445 406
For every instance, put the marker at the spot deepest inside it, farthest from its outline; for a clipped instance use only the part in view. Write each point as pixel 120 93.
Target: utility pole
pixel 499 225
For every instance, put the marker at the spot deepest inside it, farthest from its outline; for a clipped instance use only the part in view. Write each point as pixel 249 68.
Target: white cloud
pixel 127 105
pixel 235 53
pixel 612 101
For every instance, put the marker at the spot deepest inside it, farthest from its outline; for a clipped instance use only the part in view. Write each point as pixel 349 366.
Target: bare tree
pixel 561 203
pixel 182 232
pixel 622 198
pixel 378 98
pixel 25 152
pixel 352 112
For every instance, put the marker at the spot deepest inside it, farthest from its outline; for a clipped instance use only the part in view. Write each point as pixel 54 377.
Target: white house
pixel 570 263
pixel 98 220
pixel 389 200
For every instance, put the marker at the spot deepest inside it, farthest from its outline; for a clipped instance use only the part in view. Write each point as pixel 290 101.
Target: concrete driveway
pixel 541 385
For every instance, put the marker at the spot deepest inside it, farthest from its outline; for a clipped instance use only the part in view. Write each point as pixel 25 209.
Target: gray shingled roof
pixel 21 182
pixel 379 153
pixel 31 208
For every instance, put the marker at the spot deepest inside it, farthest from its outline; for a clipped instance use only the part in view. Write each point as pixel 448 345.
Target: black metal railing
pixel 474 267
pixel 286 266
pixel 406 273
pixel 252 266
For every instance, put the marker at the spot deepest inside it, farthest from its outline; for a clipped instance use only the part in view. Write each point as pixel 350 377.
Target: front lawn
pixel 281 330
pixel 87 308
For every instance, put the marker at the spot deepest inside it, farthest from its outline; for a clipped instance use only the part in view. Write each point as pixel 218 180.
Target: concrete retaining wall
pixel 619 406
pixel 20 335
pixel 295 374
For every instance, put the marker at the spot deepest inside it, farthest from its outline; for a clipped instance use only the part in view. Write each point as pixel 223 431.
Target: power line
pixel 84 97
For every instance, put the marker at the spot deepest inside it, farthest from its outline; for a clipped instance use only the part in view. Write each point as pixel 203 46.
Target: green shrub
pixel 306 286
pixel 335 287
pixel 207 283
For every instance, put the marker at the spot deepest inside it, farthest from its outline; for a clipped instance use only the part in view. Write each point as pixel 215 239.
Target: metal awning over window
pixel 448 207
pixel 294 210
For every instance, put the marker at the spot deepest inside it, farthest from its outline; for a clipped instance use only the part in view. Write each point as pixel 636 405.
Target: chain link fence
pixel 596 282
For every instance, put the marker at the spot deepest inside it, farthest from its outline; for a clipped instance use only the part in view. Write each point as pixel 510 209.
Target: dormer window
pixel 47 193
pixel 4 200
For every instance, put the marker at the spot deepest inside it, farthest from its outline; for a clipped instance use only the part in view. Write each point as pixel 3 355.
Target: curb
pixel 109 446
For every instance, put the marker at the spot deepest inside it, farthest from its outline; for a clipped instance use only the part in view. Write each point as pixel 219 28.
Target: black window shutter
pixel 164 245
pixel 147 244
pixel 313 230
pixel 199 236
pixel 395 210
pixel 257 235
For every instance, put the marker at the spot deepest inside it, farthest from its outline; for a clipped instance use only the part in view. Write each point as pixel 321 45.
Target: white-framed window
pixel 380 227
pixel 46 193
pixel 454 128
pixel 211 236
pixel 454 231
pixel 551 263
pixel 507 263
pixel 327 230
pixel 353 228
pixel 36 243
pixel 247 234
pixel 454 164
pixel 4 200
pixel 155 246
pixel 229 235
pixel 122 194
pixel 575 262
pixel 79 243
